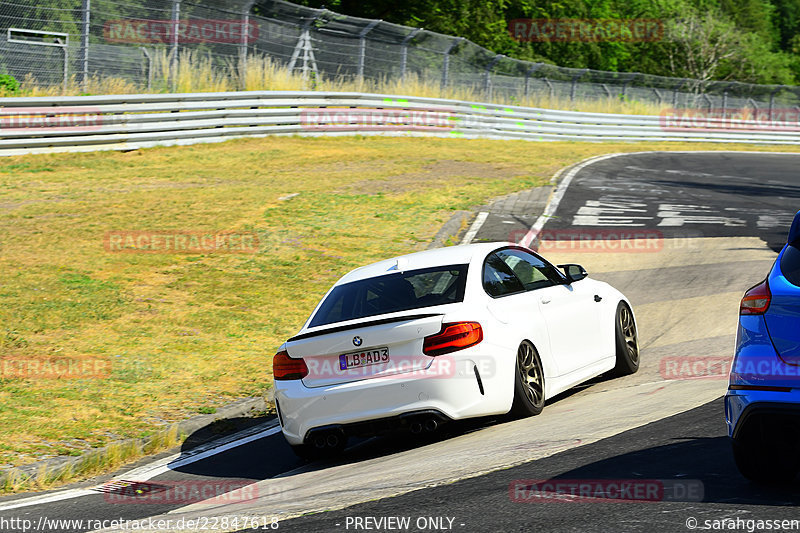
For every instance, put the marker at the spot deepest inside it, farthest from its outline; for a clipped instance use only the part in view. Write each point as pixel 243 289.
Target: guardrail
pixel 129 122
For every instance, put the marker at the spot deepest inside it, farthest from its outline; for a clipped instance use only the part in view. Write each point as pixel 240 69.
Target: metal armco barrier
pixel 129 122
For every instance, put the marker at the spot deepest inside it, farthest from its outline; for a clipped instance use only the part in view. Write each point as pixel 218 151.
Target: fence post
pixel 66 64
pixel 487 82
pixel 755 107
pixel 725 103
pixel 658 93
pixel 575 82
pixel 528 75
pixel 149 58
pixel 675 94
pixel 362 46
pixel 243 44
pixel 173 66
pixel 446 64
pixel 404 52
pixel 772 100
pixel 625 85
pixel 85 20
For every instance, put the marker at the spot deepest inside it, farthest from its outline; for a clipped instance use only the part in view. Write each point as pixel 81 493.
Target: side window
pixel 790 264
pixel 498 278
pixel 532 271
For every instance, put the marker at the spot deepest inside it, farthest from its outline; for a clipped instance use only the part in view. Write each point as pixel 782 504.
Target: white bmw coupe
pixel 465 331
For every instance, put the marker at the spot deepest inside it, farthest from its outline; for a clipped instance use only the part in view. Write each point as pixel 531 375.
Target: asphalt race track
pixel 690 448
pixel 712 223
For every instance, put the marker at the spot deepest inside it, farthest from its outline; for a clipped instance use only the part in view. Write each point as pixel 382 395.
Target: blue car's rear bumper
pixel 760 381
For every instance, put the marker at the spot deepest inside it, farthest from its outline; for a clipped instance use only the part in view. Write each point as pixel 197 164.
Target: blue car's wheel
pixel 765 462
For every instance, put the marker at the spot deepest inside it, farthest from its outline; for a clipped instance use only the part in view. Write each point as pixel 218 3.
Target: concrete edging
pixel 56 466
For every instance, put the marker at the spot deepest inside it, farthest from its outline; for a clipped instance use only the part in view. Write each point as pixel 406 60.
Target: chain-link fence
pixel 142 41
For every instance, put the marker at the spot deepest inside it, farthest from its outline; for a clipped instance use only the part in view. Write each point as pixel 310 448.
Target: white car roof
pixel 450 255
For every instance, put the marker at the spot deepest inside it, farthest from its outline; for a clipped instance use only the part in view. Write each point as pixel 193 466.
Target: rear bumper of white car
pixel 455 396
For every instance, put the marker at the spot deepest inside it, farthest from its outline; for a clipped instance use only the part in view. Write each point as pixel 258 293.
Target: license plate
pixel 373 356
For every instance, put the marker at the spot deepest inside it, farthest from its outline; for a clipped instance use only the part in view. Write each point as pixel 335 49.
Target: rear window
pixel 390 293
pixel 790 264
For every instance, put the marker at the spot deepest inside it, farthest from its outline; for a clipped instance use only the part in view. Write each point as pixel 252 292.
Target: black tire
pixel 303 451
pixel 626 341
pixel 763 465
pixel 528 382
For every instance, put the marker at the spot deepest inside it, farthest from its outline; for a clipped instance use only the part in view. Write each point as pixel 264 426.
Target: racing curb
pixel 452 229
pixel 55 467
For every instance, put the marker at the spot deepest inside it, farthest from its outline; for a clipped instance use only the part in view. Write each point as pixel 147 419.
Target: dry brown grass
pixel 196 72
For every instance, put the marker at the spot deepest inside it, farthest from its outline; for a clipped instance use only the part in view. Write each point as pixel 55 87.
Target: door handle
pixel 545 300
pixel 597 298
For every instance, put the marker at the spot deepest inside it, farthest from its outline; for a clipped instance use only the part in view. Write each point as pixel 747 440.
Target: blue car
pixel 762 405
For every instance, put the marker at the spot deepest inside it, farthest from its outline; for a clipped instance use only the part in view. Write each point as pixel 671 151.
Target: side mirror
pixel 794 231
pixel 573 272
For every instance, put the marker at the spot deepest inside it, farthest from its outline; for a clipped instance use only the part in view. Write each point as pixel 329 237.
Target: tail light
pixel 286 368
pixel 756 300
pixel 453 337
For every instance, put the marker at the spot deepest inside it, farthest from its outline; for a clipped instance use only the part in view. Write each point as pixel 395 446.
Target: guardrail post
pixel 446 63
pixel 85 20
pixel 487 81
pixel 173 66
pixel 404 51
pixel 362 46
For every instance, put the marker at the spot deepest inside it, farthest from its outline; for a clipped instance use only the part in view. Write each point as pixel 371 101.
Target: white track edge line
pixel 475 227
pixel 552 204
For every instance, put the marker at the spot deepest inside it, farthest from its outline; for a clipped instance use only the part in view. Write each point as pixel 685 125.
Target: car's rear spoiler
pixel 794 231
pixel 335 329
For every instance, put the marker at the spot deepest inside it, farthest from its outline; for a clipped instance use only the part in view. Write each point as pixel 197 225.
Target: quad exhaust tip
pixel 426 424
pixel 328 439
